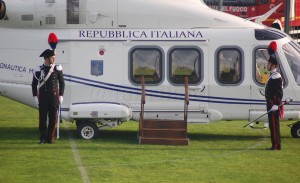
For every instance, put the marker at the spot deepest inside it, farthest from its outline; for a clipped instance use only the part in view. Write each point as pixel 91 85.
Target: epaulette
pixel 276 75
pixel 58 67
pixel 38 68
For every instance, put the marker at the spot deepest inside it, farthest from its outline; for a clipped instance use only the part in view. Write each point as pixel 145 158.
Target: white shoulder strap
pixel 47 77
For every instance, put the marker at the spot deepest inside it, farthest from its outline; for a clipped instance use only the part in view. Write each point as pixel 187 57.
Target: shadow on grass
pixel 18 133
pixel 15 138
pixel 219 137
pixel 28 134
pixel 121 136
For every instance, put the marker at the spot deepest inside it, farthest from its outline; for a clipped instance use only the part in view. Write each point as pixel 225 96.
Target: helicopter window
pixel 184 62
pixel 2 10
pixel 293 58
pixel 268 34
pixel 147 62
pixel 229 66
pixel 72 11
pixel 260 67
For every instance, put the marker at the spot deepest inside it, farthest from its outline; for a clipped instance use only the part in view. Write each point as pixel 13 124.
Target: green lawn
pixel 218 152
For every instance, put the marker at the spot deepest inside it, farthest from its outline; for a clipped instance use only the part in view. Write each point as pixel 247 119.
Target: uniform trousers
pixel 274 126
pixel 48 105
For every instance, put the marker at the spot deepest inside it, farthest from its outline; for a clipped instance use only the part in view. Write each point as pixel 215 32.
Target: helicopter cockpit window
pixel 292 54
pixel 261 61
pixel 184 62
pixel 229 66
pixel 268 34
pixel 147 62
pixel 2 10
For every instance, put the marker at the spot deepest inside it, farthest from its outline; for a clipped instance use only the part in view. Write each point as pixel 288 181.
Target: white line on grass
pixel 83 172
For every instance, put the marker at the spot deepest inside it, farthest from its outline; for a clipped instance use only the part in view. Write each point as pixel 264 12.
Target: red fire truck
pixel 253 8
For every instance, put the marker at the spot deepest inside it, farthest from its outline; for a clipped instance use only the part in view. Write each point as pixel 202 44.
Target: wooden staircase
pixel 162 131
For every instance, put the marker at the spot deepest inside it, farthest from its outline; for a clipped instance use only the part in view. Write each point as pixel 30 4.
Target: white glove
pixel 61 99
pixel 36 100
pixel 274 108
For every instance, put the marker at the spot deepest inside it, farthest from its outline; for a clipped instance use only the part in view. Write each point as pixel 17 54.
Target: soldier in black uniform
pixel 273 95
pixel 48 89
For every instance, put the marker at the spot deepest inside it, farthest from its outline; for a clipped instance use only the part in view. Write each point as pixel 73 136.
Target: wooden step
pixel 163 141
pixel 163 124
pixel 164 133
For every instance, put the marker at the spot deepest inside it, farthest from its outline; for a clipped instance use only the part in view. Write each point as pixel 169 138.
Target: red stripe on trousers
pixel 274 130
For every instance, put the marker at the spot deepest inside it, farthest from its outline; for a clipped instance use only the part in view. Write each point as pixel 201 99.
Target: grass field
pixel 218 152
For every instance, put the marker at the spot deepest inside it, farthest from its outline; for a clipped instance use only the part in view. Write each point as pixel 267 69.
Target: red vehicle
pixel 253 8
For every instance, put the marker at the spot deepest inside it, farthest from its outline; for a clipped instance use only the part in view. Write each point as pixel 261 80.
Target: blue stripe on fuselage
pixel 161 94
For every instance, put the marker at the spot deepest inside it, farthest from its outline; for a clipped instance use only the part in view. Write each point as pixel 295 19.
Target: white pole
pixel 57 123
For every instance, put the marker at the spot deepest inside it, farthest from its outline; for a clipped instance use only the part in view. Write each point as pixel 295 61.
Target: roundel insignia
pixel 101 52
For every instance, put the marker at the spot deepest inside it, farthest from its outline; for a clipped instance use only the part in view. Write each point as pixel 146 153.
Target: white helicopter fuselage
pixel 101 44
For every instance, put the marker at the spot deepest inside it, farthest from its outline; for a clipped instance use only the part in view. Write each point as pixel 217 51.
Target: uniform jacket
pixel 273 91
pixel 55 83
